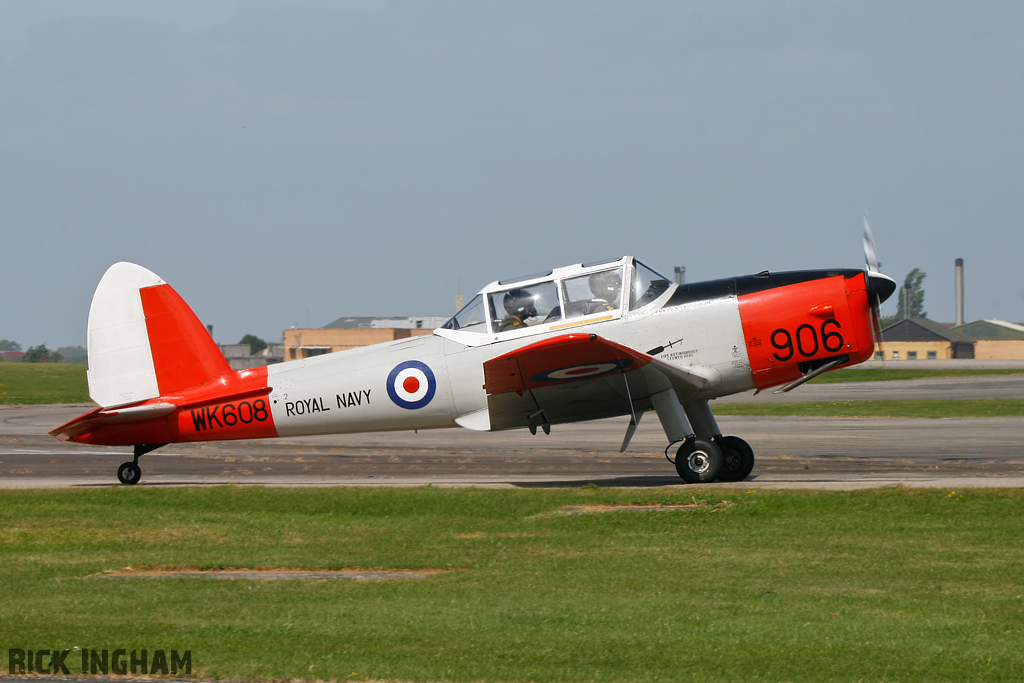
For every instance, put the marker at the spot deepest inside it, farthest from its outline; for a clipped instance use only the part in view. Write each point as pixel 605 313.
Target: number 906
pixel 805 340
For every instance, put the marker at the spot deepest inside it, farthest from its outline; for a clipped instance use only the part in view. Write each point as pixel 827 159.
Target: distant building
pixel 412 323
pixel 11 356
pixel 923 339
pixel 239 357
pixel 353 332
pixel 274 353
pixel 995 339
pixel 305 342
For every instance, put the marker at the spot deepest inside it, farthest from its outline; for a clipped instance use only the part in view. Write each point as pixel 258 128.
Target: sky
pixel 289 163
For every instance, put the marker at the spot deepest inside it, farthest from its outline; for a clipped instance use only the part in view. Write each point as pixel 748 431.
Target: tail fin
pixel 144 340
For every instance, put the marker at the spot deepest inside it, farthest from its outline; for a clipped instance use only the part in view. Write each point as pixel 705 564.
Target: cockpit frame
pixel 560 299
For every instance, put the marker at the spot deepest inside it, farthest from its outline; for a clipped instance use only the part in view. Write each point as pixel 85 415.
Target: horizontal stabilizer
pixel 136 413
pixel 84 423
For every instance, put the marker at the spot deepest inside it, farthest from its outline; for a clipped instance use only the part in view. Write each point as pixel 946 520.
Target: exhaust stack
pixel 959 292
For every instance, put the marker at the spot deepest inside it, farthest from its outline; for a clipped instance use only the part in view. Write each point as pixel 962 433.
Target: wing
pixel 576 377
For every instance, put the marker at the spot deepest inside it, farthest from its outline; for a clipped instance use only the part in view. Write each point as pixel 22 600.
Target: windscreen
pixel 647 286
pixel 471 318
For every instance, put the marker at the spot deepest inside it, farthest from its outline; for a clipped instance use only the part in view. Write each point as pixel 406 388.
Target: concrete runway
pixel 991 386
pixel 827 453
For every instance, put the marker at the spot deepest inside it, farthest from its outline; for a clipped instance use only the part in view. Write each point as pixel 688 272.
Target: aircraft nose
pixel 880 286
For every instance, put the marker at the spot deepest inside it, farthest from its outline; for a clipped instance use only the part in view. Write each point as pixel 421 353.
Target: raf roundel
pixel 411 385
pixel 584 371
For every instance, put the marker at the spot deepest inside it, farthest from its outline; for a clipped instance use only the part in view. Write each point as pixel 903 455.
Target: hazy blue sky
pixel 292 162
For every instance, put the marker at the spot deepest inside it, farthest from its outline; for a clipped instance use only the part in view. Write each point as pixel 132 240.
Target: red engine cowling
pixel 794 328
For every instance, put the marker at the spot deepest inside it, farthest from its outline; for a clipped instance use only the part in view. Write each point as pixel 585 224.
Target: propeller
pixel 870 255
pixel 880 287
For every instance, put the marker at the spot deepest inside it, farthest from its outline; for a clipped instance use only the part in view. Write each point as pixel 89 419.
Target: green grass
pixel 885 584
pixel 978 407
pixel 889 374
pixel 22 383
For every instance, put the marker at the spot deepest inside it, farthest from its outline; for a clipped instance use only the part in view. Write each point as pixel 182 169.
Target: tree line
pixel 78 354
pixel 42 354
pixel 910 302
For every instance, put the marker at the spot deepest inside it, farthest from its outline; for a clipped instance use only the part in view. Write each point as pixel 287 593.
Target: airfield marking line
pixel 27 450
pixel 839 436
pixel 67 452
pixel 783 481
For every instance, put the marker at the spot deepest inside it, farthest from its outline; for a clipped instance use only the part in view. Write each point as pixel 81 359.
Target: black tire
pixel 698 461
pixel 129 473
pixel 737 459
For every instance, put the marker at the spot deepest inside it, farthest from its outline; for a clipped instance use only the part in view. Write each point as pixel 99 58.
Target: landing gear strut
pixel 705 455
pixel 129 473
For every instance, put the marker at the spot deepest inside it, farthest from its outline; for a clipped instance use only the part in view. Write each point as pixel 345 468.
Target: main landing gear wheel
pixel 129 473
pixel 698 461
pixel 737 459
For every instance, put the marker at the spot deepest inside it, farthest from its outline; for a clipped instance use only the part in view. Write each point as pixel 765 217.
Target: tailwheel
pixel 737 459
pixel 129 473
pixel 698 461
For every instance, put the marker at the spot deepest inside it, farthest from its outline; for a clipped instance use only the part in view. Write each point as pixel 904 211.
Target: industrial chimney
pixel 959 291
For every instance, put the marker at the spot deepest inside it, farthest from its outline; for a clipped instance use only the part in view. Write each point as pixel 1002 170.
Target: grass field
pixel 885 584
pixel 888 374
pixel 937 408
pixel 23 383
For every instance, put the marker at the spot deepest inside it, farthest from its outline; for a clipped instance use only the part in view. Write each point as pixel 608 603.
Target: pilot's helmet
pixel 606 285
pixel 519 302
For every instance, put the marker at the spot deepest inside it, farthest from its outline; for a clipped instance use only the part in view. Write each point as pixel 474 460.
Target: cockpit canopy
pixel 564 297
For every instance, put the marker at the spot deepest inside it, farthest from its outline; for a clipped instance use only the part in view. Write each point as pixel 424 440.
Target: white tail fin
pixel 144 340
pixel 120 361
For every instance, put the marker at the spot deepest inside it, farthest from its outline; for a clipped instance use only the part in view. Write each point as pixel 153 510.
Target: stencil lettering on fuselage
pixel 246 419
pixel 228 414
pixel 306 406
pixel 353 398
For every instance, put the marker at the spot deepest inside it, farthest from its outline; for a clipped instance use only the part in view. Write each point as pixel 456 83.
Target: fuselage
pixel 742 333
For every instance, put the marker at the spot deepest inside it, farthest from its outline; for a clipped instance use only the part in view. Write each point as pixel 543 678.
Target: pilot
pixel 606 287
pixel 518 304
